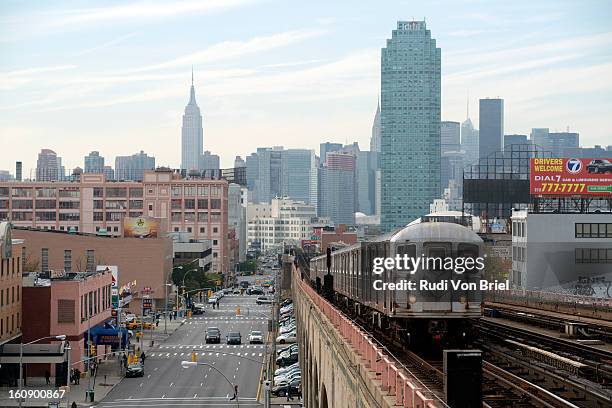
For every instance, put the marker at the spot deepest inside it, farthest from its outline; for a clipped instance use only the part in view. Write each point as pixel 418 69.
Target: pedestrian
pixel 235 392
pixel 299 394
pixel 217 303
pixel 157 323
pixel 289 397
pixel 47 377
pixel 142 357
pixel 124 360
pixel 77 376
pixel 74 405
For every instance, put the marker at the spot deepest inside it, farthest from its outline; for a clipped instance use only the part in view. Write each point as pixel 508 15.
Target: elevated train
pixel 420 318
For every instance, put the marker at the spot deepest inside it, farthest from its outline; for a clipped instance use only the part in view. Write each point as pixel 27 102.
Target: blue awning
pixel 107 334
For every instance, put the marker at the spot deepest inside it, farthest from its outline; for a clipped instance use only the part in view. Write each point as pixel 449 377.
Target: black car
pixel 599 166
pixel 134 370
pixel 284 361
pixel 233 338
pixel 213 335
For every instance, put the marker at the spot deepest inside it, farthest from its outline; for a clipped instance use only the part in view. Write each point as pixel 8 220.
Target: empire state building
pixel 192 138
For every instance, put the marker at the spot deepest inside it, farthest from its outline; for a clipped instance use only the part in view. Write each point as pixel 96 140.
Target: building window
pixel 215 242
pixel 150 207
pixel 215 230
pixel 90 260
pixel 68 260
pixel 176 229
pixel 202 230
pixel 65 311
pixel 593 255
pixel 45 260
pixel 593 230
pixel 215 204
pixel 189 229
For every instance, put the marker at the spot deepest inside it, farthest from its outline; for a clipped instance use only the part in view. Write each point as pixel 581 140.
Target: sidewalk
pixel 108 375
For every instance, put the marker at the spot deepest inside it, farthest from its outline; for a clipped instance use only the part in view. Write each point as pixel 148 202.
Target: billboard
pixel 570 177
pixel 140 227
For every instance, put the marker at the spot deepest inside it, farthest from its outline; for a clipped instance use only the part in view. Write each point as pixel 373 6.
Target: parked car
pixel 262 300
pixel 599 166
pixel 281 391
pixel 285 369
pixel 134 370
pixel 287 338
pixel 256 337
pixel 288 328
pixel 292 347
pixel 285 361
pixel 233 338
pixel 213 335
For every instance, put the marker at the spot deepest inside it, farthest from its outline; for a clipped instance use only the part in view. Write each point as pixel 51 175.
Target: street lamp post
pixel 60 337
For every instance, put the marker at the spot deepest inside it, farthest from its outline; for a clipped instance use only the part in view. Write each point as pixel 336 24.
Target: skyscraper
pixel 238 162
pixel 469 139
pixel 48 166
pixel 94 163
pixel 375 139
pixel 491 123
pixel 326 147
pixel 192 139
pixel 450 137
pixel 269 177
pixel 299 175
pixel 515 139
pixel 209 161
pixel 337 188
pixel 133 167
pixel 410 124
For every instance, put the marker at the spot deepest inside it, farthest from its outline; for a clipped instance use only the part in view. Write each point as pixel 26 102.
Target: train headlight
pixel 412 299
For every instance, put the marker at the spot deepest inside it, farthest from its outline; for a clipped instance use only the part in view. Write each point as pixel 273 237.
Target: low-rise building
pixel 569 253
pixel 141 262
pixel 72 304
pixel 10 284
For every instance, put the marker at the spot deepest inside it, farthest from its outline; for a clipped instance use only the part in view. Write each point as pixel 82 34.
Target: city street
pixel 166 383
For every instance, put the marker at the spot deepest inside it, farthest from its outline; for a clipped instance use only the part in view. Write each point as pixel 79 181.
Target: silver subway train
pixel 422 315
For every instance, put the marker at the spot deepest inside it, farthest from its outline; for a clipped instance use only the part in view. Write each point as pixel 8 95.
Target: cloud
pixel 143 10
pixel 233 49
pixel 16 78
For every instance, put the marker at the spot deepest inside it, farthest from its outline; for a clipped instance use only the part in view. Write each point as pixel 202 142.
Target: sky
pixel 114 76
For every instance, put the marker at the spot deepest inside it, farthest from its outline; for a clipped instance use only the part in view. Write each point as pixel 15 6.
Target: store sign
pixel 570 177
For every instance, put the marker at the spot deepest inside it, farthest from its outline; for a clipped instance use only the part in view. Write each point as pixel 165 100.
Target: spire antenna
pixel 191 75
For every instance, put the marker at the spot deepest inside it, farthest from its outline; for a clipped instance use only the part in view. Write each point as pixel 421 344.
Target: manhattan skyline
pixel 76 78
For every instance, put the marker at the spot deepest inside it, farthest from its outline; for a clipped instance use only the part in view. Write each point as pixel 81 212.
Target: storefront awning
pixel 106 334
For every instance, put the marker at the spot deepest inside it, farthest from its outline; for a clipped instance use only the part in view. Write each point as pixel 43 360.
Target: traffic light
pixel 193 357
pixel 92 350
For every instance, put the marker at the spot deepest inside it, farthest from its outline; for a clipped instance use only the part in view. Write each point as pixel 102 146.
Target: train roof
pixel 436 231
pixel 424 231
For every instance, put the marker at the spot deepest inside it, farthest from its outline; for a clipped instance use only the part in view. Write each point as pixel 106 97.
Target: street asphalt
pixel 167 384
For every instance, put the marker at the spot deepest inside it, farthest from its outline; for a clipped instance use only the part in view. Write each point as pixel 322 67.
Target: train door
pixel 402 296
pixel 437 297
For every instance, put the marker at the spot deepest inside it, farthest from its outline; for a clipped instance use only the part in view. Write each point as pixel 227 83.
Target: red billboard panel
pixel 571 177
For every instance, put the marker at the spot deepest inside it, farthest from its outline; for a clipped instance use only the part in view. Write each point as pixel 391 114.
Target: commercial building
pixel 299 175
pixel 209 161
pixel 269 174
pixel 92 205
pixel 49 166
pixel 192 134
pixel 491 124
pixel 337 197
pixel 469 142
pixel 237 219
pixel 337 237
pixel 366 166
pixel 145 261
pixel 132 168
pixel 376 131
pixel 10 284
pixel 515 139
pixel 73 304
pixel 450 137
pixel 328 147
pixel 288 220
pixel 561 144
pixel 569 253
pixel 410 121
pixel 94 163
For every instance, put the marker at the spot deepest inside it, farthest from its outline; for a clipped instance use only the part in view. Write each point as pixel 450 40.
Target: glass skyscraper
pixel 410 124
